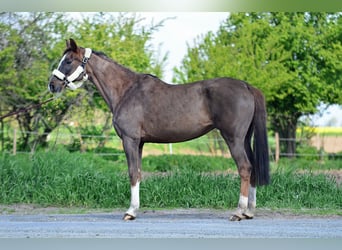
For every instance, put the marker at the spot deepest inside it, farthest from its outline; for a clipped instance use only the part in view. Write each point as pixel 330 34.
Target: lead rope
pixel 25 109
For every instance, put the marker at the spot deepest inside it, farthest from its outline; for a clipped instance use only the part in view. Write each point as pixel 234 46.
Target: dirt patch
pixel 335 174
pixel 27 209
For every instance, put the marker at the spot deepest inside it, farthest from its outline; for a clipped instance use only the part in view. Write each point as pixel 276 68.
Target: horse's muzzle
pixel 55 87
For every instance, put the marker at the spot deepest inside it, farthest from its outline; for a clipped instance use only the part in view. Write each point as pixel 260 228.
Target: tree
pixel 31 46
pixel 27 43
pixel 294 58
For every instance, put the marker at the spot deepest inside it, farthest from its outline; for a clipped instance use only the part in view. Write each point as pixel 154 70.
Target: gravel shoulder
pixel 29 209
pixel 29 222
pixel 35 221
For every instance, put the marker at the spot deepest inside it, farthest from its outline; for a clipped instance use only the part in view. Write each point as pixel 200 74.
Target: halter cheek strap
pixel 69 81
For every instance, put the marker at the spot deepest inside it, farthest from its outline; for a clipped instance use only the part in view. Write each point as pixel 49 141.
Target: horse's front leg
pixel 133 151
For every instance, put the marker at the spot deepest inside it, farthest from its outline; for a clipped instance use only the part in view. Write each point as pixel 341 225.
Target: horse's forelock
pixel 69 49
pixel 66 51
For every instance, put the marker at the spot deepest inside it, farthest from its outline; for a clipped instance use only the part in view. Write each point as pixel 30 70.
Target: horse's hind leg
pixel 251 202
pixel 237 149
pixel 133 150
pixel 252 187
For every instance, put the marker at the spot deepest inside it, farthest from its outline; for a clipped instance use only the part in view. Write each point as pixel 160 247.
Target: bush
pixel 308 152
pixel 335 156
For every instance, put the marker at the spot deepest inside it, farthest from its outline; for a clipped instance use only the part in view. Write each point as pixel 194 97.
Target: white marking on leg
pixel 242 208
pixel 135 200
pixel 249 213
pixel 243 202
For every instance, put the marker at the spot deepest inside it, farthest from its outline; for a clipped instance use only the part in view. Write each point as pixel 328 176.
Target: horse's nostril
pixel 51 87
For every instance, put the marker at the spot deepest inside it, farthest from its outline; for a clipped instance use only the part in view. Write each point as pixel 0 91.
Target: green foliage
pixel 294 58
pixel 308 152
pixel 122 38
pixel 27 43
pixel 31 45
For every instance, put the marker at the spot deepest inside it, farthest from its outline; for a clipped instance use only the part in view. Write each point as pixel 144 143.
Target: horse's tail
pixel 260 161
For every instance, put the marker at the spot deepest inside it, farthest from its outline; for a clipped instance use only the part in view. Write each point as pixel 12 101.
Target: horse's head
pixel 71 71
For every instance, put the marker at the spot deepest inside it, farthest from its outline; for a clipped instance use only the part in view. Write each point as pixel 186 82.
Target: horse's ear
pixel 71 44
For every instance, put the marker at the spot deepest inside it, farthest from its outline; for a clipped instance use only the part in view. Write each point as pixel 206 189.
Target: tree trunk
pixel 286 126
pixel 290 142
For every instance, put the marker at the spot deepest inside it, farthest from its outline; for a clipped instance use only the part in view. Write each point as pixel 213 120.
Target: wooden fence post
pixel 2 136
pixel 15 141
pixel 277 147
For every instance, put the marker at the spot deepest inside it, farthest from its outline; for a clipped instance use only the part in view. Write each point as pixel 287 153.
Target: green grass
pixel 61 178
pixel 308 164
pixel 290 189
pixel 65 179
pixel 200 163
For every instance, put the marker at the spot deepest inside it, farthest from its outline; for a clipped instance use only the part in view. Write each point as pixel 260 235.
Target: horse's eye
pixel 68 61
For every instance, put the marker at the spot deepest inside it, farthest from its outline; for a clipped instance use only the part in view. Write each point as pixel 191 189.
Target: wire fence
pixel 316 146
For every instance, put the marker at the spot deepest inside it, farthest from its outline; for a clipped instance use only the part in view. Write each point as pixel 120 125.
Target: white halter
pixel 69 81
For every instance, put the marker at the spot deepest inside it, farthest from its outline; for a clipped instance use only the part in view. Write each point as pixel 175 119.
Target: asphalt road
pixel 168 224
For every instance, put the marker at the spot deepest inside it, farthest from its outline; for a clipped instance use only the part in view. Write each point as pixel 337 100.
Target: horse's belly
pixel 174 132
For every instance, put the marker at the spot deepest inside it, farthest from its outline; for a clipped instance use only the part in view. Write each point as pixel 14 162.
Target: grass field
pixel 66 179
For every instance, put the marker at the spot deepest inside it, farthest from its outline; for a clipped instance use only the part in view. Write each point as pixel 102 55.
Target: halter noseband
pixel 69 81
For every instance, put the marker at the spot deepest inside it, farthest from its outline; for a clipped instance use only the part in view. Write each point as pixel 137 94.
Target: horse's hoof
pixel 248 216
pixel 128 217
pixel 235 218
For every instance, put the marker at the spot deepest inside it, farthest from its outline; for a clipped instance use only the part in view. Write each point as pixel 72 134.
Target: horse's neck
pixel 111 79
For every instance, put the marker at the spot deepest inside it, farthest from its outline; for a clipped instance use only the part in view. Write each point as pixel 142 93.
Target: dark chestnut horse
pixel 146 109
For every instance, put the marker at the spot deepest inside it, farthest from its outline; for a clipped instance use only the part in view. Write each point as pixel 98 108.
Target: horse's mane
pixel 105 57
pixel 108 59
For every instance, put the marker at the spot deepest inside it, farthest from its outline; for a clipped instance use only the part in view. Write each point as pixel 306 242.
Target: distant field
pixel 327 138
pixel 327 131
